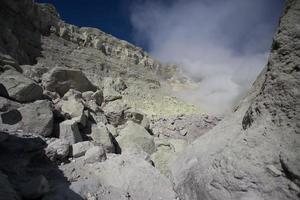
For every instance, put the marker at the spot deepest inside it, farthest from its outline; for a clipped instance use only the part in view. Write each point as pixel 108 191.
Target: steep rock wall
pixel 254 152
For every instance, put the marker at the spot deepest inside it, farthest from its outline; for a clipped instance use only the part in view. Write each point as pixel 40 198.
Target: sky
pixel 221 44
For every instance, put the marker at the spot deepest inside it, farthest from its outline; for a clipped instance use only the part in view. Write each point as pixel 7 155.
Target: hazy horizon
pixel 222 44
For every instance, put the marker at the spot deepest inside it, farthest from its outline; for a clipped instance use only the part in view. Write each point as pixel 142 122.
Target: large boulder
pixel 34 72
pixel 138 117
pixel 95 154
pixel 69 131
pixel 253 153
pixel 101 135
pixel 80 148
pixel 18 87
pixel 133 177
pixel 57 149
pixel 135 136
pixel 72 106
pixel 60 80
pixel 166 152
pixel 6 59
pixel 6 104
pixel 114 111
pixel 35 118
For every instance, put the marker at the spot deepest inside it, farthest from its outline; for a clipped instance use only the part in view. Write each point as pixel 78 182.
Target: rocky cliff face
pixel 34 40
pixel 254 152
pixel 84 115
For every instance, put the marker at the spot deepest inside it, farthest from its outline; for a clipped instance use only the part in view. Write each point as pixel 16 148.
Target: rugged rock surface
pixel 57 149
pixel 136 136
pixel 61 80
pixel 34 118
pixel 243 157
pixel 68 130
pixel 188 127
pixel 101 135
pixel 18 87
pixel 87 116
pixel 126 172
pixel 64 93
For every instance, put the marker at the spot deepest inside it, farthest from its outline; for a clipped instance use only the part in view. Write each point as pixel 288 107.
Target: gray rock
pixel 187 127
pixel 95 154
pixel 92 106
pixel 167 151
pixel 98 96
pixel 114 111
pixel 113 131
pixel 8 60
pixel 60 80
pixel 18 87
pixel 87 96
pixel 80 148
pixel 139 153
pixel 57 149
pixel 162 158
pixel 72 106
pixel 290 164
pixel 274 171
pixel 72 94
pixel 111 94
pixel 6 67
pixel 137 117
pixel 101 135
pixel 135 136
pixel 68 130
pixel 117 84
pixel 51 95
pixel 99 117
pixel 6 104
pixel 93 96
pixel 134 177
pixel 34 72
pixel 83 118
pixel 37 118
pixel 232 161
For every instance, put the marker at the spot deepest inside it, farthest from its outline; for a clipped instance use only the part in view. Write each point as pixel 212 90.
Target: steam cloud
pixel 222 44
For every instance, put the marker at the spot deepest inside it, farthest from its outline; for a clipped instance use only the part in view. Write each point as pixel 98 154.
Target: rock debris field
pixel 86 116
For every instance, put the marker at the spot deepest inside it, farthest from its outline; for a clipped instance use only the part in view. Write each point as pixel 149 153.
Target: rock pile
pixel 64 119
pixel 66 122
pixel 85 118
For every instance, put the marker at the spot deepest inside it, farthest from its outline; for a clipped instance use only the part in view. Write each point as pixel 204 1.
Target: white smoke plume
pixel 223 44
